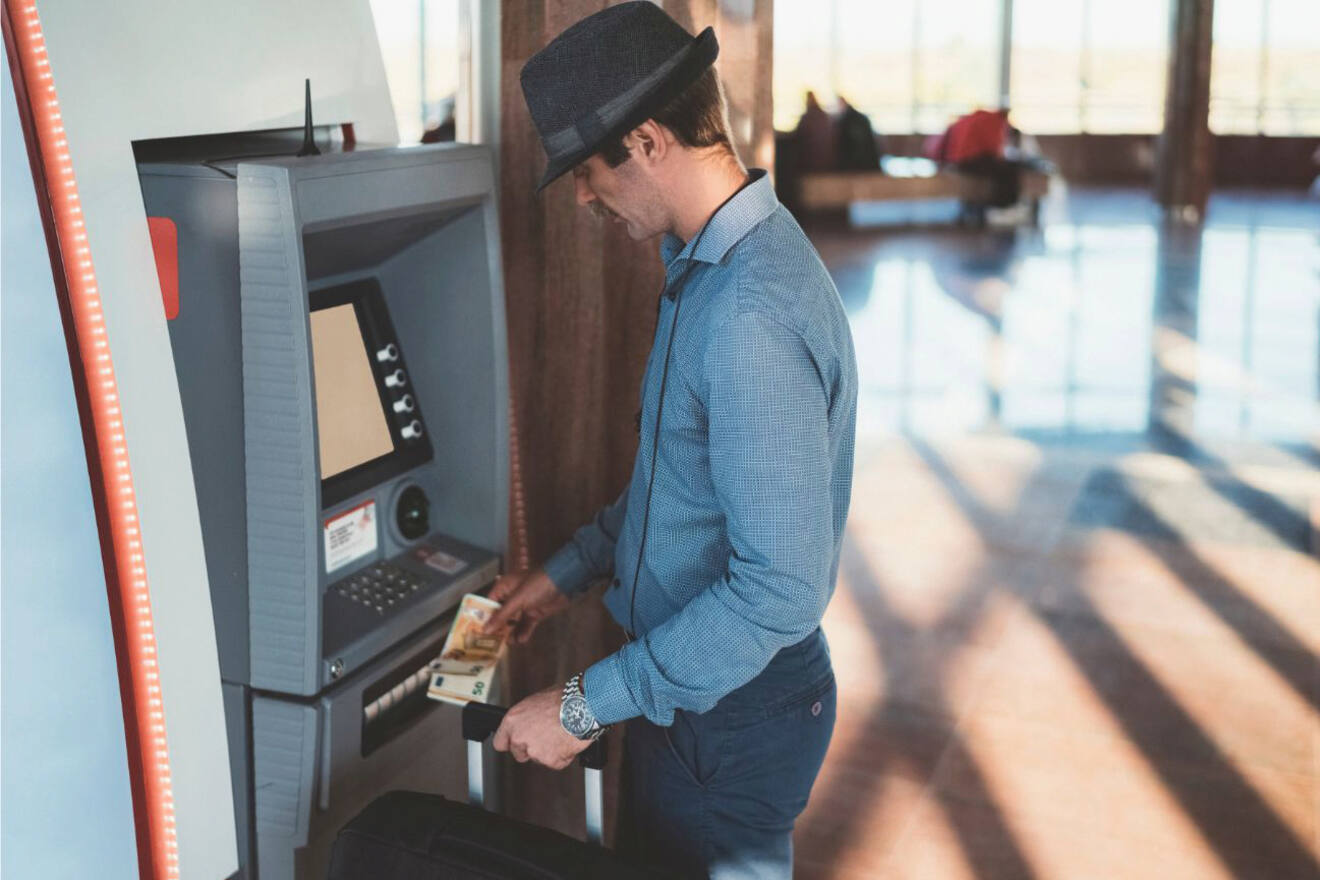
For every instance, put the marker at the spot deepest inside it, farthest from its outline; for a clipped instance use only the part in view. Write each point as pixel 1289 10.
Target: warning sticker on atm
pixel 350 536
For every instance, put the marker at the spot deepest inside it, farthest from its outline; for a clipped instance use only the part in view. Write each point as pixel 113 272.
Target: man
pixel 724 546
pixel 816 138
pixel 975 144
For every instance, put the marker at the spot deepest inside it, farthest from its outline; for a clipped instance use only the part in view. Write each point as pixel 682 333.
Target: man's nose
pixel 584 194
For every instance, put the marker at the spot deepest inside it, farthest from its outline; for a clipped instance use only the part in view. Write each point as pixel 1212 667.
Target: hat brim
pixel 697 56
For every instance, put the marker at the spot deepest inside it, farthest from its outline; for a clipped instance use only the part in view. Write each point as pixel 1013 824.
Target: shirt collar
pixel 731 223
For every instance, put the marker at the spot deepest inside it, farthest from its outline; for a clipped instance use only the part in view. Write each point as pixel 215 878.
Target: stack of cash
pixel 466 666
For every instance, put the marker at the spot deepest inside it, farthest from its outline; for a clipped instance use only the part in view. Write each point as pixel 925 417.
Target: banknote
pixel 467 649
pixel 460 689
pixel 466 666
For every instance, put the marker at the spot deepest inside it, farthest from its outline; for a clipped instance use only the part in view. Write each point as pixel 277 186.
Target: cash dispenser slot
pixel 398 700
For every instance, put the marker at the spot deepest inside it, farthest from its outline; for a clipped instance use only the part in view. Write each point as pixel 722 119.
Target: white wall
pixel 65 805
pixel 136 69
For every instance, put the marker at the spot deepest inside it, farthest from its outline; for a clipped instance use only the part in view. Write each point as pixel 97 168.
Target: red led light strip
pixel 107 454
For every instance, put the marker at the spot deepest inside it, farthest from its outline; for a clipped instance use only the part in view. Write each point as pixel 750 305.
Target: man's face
pixel 621 195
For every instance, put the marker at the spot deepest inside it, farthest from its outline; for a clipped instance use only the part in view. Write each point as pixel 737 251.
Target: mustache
pixel 600 212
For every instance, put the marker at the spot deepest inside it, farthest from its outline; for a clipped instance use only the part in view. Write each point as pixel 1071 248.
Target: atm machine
pixel 337 322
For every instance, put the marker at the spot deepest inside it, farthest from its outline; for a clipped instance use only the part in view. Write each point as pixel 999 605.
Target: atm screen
pixel 368 412
pixel 349 417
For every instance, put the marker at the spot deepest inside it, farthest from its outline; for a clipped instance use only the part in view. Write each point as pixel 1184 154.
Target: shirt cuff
pixel 607 695
pixel 568 570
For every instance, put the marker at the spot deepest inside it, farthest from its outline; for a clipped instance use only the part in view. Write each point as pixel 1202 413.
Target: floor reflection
pixel 1103 323
pixel 1078 620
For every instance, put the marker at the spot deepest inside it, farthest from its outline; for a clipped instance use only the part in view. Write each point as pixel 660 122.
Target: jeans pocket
pixel 775 761
pixel 696 744
pixel 791 700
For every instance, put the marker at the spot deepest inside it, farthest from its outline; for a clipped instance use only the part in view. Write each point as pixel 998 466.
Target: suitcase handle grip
pixel 481 720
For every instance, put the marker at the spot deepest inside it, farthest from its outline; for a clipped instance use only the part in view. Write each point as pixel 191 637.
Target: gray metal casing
pixel 300 222
pixel 314 777
pixel 254 254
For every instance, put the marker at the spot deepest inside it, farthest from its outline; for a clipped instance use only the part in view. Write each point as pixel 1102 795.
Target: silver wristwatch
pixel 575 715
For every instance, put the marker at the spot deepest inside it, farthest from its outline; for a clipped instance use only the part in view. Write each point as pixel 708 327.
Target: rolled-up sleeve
pixel 590 553
pixel 767 410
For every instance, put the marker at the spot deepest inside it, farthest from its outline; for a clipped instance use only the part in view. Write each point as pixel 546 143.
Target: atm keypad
pixel 380 587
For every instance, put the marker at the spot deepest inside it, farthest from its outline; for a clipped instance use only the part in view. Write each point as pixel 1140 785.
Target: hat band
pixel 590 128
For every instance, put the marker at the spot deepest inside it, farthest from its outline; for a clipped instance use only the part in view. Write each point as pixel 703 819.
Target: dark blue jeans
pixel 715 795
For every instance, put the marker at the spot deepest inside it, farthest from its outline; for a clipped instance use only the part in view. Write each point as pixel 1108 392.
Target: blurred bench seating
pixel 826 190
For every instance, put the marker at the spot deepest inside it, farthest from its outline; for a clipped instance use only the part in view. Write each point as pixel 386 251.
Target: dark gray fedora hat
pixel 606 75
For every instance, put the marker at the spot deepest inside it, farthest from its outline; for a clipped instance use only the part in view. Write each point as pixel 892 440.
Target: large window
pixel 912 65
pixel 426 55
pixel 956 62
pixel 1265 67
pixel 1089 65
pixel 1048 60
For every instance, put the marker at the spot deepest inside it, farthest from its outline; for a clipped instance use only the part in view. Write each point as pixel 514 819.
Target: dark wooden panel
pixel 1239 159
pixel 1258 160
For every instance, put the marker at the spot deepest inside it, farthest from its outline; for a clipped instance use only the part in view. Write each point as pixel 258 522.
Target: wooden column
pixel 1185 162
pixel 581 315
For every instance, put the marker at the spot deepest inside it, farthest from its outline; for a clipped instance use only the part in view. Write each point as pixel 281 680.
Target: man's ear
pixel 650 141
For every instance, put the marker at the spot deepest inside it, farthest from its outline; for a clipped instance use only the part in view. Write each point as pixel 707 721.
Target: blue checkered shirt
pixel 754 472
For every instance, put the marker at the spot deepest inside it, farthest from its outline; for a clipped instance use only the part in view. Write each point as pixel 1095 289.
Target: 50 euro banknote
pixel 466 666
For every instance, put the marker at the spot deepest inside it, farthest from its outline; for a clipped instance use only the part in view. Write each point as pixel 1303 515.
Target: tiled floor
pixel 1078 617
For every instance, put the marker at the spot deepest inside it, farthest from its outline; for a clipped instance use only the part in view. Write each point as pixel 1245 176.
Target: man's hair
pixel 698 116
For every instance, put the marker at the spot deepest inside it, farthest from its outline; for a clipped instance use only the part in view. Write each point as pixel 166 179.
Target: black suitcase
pixel 410 835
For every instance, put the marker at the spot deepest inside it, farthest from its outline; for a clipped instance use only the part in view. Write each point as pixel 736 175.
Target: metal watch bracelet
pixel 574 712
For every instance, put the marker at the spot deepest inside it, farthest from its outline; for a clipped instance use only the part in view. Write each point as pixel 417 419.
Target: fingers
pixel 503 742
pixel 524 628
pixel 521 752
pixel 505 586
pixel 501 739
pixel 502 616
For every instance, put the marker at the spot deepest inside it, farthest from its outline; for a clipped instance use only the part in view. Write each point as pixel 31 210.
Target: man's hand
pixel 528 598
pixel 532 732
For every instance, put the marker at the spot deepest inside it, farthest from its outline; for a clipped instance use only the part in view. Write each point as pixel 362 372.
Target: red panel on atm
pixel 165 244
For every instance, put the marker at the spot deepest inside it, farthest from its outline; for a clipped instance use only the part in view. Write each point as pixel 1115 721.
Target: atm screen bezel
pixel 377 331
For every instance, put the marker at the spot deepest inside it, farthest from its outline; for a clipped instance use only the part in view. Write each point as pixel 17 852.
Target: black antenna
pixel 309 142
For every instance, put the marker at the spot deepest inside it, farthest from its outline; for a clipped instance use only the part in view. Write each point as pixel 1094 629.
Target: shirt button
pixel 616 583
pixel 815 708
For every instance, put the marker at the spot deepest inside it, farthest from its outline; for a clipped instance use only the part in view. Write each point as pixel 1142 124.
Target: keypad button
pixel 381 586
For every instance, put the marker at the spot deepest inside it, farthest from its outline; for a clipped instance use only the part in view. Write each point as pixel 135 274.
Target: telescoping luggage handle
pixel 480 720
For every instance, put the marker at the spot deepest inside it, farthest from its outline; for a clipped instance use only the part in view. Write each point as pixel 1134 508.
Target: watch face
pixel 576 717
